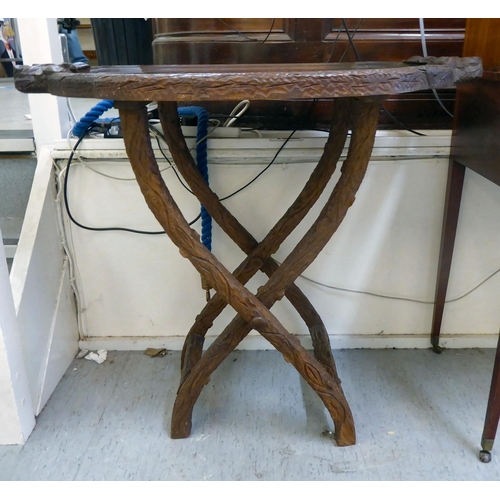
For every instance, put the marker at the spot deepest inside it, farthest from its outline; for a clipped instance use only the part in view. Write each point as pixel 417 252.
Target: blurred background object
pixel 10 56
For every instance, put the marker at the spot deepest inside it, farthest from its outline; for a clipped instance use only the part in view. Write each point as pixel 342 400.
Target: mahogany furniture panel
pixel 475 145
pixel 313 40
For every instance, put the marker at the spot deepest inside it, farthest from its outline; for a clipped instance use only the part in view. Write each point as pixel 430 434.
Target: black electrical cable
pixel 171 164
pixel 89 228
pixel 137 231
pixel 270 31
pixel 260 173
pixel 237 31
pixel 397 122
pixel 241 188
pixel 335 44
pixel 245 36
pixel 351 43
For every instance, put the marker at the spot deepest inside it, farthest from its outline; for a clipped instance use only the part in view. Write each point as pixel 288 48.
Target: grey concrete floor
pixel 418 415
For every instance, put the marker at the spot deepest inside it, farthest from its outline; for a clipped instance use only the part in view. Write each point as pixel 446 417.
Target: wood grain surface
pixel 246 81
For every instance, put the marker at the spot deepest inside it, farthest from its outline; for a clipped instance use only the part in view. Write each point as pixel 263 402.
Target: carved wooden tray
pixel 255 81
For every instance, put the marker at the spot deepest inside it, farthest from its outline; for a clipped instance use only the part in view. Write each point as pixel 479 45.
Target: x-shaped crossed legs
pixel 253 310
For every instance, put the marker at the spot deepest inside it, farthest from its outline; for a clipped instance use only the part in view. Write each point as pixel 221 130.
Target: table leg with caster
pixel 492 412
pixel 454 188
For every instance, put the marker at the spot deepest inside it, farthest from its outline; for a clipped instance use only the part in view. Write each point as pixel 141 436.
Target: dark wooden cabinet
pixel 240 40
pixel 475 145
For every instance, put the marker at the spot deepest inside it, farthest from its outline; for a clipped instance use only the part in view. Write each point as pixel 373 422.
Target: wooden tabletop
pixel 254 82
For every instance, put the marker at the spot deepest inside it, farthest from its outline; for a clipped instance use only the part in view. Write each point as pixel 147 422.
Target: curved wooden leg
pixel 305 363
pixel 259 252
pixel 317 330
pixel 251 310
pixel 364 126
pixel 193 346
pixel 353 170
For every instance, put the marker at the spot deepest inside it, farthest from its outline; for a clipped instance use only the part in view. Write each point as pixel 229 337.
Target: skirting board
pixel 256 342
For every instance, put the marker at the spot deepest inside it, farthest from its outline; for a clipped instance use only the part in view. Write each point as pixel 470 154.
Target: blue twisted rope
pixel 201 150
pixel 91 116
pixel 201 162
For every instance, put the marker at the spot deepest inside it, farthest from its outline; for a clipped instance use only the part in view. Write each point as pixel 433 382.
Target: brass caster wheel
pixel 485 456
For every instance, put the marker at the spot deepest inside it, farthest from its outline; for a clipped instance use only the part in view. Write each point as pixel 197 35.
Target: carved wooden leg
pixel 364 125
pixel 353 170
pixel 193 349
pixel 164 208
pixel 258 252
pixel 193 346
pixel 306 364
pixel 492 411
pixel 317 330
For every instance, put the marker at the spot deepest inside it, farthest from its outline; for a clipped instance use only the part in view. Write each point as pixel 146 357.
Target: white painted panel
pixel 37 305
pixel 64 340
pixel 16 145
pixel 36 278
pixel 16 412
pixel 139 287
pixel 10 251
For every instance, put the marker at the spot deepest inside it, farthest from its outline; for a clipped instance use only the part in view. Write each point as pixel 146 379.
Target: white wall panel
pixel 38 274
pixel 17 417
pixel 139 287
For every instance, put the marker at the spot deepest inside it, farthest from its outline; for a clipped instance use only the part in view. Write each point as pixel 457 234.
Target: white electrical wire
pixel 422 36
pixel 424 51
pixel 217 125
pixel 253 131
pixel 86 165
pixel 71 113
pixel 129 179
pixel 68 248
pixel 395 297
pixel 237 112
